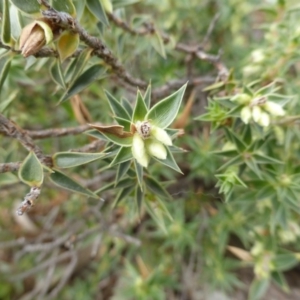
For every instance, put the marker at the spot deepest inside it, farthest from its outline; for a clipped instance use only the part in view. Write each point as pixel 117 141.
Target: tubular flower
pixel 149 140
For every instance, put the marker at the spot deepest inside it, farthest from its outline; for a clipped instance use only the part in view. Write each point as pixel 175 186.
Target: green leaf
pixel 31 171
pixel 96 8
pixel 123 183
pixel 125 123
pixel 77 65
pixel 157 43
pixel 67 44
pixel 15 25
pixel 156 188
pixel 139 173
pixel 164 112
pixel 64 6
pixel 122 170
pixel 147 96
pixel 84 80
pixel 73 159
pixel 125 142
pixel 62 180
pixel 258 288
pixel 169 161
pixel 123 193
pixel 56 74
pixel 140 109
pixel 280 281
pixel 237 160
pixel 232 137
pixel 138 196
pixel 125 103
pixel 263 159
pixel 5 28
pixel 122 3
pixel 5 104
pixel 156 214
pixel 79 7
pixel 285 261
pixel 116 107
pixel 27 6
pixel 123 155
pixel 5 60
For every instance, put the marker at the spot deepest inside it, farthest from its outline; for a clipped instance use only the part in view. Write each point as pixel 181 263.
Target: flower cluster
pixel 149 140
pixel 259 109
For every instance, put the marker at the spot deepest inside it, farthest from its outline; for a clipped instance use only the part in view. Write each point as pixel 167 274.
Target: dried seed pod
pixel 34 36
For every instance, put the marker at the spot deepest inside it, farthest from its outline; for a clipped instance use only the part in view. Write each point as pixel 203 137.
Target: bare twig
pixel 14 131
pixel 58 132
pixel 9 167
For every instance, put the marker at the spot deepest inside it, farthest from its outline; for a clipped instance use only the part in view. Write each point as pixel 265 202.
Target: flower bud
pixel 156 148
pixel 241 98
pixel 256 113
pixel 246 114
pixel 274 108
pixel 139 151
pixel 34 36
pixel 161 135
pixel 264 120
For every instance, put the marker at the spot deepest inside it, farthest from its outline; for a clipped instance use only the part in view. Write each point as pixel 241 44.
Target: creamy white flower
pixel 156 148
pixel 139 151
pixel 246 114
pixel 274 108
pixel 264 120
pixel 149 140
pixel 161 135
pixel 256 113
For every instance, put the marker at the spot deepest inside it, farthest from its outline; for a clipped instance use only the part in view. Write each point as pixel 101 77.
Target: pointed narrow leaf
pixel 76 66
pixel 169 161
pixel 116 107
pixel 122 3
pixel 5 28
pixel 125 123
pixel 240 145
pixel 139 196
pixel 16 24
pixel 68 183
pixel 56 74
pixel 116 134
pixel 122 170
pixel 96 8
pixel 31 171
pixel 263 159
pixel 4 67
pixel 73 159
pixel 65 6
pixel 157 44
pixel 125 103
pixel 164 112
pixel 156 188
pixel 123 155
pixel 84 80
pixel 123 183
pixel 139 173
pixel 79 8
pixel 140 109
pixel 123 193
pixel 67 44
pixel 27 6
pixel 156 215
pixel 258 288
pixel 147 96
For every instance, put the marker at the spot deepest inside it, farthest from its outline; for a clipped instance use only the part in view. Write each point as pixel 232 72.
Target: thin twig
pixel 14 131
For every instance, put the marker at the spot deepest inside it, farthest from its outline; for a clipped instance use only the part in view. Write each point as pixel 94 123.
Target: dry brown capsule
pixel 34 36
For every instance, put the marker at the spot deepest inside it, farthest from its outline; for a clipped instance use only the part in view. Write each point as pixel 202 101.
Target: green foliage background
pixel 241 181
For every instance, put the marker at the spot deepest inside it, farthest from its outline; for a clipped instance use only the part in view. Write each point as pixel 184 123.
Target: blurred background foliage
pixel 233 216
